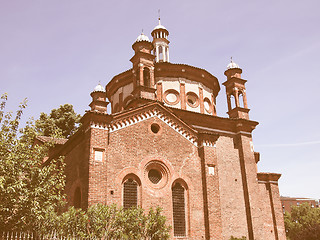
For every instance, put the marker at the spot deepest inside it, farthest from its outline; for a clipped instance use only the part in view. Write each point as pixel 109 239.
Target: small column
pixel 201 100
pixel 141 74
pixel 168 54
pixel 152 77
pixel 236 96
pixel 157 52
pixel 244 96
pixel 214 110
pixel 159 91
pixel 229 102
pixel 183 95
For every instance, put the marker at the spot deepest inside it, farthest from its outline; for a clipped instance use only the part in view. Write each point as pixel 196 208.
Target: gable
pixel 170 120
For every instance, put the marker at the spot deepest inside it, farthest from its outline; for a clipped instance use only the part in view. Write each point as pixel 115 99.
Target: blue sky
pixel 55 52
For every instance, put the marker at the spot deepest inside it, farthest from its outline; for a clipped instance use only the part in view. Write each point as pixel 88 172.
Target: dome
pixel 99 88
pixel 232 64
pixel 142 37
pixel 159 26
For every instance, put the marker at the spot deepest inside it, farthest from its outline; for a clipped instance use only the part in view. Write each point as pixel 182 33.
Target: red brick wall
pixel 129 151
pixel 216 205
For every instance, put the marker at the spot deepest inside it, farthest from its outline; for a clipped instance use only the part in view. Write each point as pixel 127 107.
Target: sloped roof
pixel 58 141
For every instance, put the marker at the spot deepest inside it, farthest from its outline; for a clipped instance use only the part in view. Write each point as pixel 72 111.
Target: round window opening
pixel 154 176
pixel 155 128
pixel 192 99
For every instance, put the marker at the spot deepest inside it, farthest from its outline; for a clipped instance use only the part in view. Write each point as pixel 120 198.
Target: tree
pixel 32 199
pixel 29 191
pixel 64 119
pixel 303 222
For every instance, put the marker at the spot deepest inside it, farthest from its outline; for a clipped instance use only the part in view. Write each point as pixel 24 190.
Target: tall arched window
pixel 241 103
pixel 77 198
pixel 179 213
pixel 130 193
pixel 146 77
pixel 232 102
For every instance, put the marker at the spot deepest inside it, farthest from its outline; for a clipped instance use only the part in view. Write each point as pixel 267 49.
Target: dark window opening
pixel 191 101
pixel 179 220
pixel 146 77
pixel 154 176
pixel 130 194
pixel 77 198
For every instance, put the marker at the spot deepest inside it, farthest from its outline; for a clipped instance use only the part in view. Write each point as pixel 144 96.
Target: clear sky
pixel 55 52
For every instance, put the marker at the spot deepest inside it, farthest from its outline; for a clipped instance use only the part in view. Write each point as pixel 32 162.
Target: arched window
pixel 77 198
pixel 130 193
pixel 232 101
pixel 146 77
pixel 161 53
pixel 241 102
pixel 179 213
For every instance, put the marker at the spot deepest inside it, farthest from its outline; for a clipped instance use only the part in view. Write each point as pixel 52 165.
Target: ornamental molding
pixel 121 122
pixel 137 118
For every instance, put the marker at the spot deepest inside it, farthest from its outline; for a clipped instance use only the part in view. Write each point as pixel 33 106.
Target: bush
pixel 108 222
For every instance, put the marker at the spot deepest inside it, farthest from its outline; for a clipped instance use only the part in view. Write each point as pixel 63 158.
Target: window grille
pixel 179 220
pixel 130 194
pixel 154 176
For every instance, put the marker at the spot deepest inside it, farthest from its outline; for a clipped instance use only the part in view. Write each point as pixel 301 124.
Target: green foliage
pixel 109 222
pixel 235 238
pixel 303 222
pixel 64 119
pixel 29 191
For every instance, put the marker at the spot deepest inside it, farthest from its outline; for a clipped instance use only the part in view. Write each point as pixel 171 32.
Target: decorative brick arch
pixel 123 176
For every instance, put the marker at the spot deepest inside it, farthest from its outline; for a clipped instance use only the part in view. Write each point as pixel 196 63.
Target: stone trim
pixel 150 114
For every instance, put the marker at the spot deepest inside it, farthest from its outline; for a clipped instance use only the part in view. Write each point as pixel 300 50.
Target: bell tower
pixel 143 69
pixel 236 92
pixel 160 43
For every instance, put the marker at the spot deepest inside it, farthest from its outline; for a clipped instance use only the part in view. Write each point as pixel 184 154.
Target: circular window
pixel 155 127
pixel 192 99
pixel 154 176
pixel 171 97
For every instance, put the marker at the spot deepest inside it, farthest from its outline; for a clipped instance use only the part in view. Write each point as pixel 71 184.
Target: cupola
pixel 99 103
pixel 143 70
pixel 160 43
pixel 236 92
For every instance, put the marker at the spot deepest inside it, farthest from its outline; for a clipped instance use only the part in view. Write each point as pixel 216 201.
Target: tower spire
pixel 159 16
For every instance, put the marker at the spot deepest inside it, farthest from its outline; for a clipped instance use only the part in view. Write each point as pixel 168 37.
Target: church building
pixel 163 145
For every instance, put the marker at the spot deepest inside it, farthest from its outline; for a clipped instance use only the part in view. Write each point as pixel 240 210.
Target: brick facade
pixel 167 134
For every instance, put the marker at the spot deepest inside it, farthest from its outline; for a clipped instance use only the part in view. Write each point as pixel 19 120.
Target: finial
pixel 142 31
pixel 159 16
pixel 231 59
